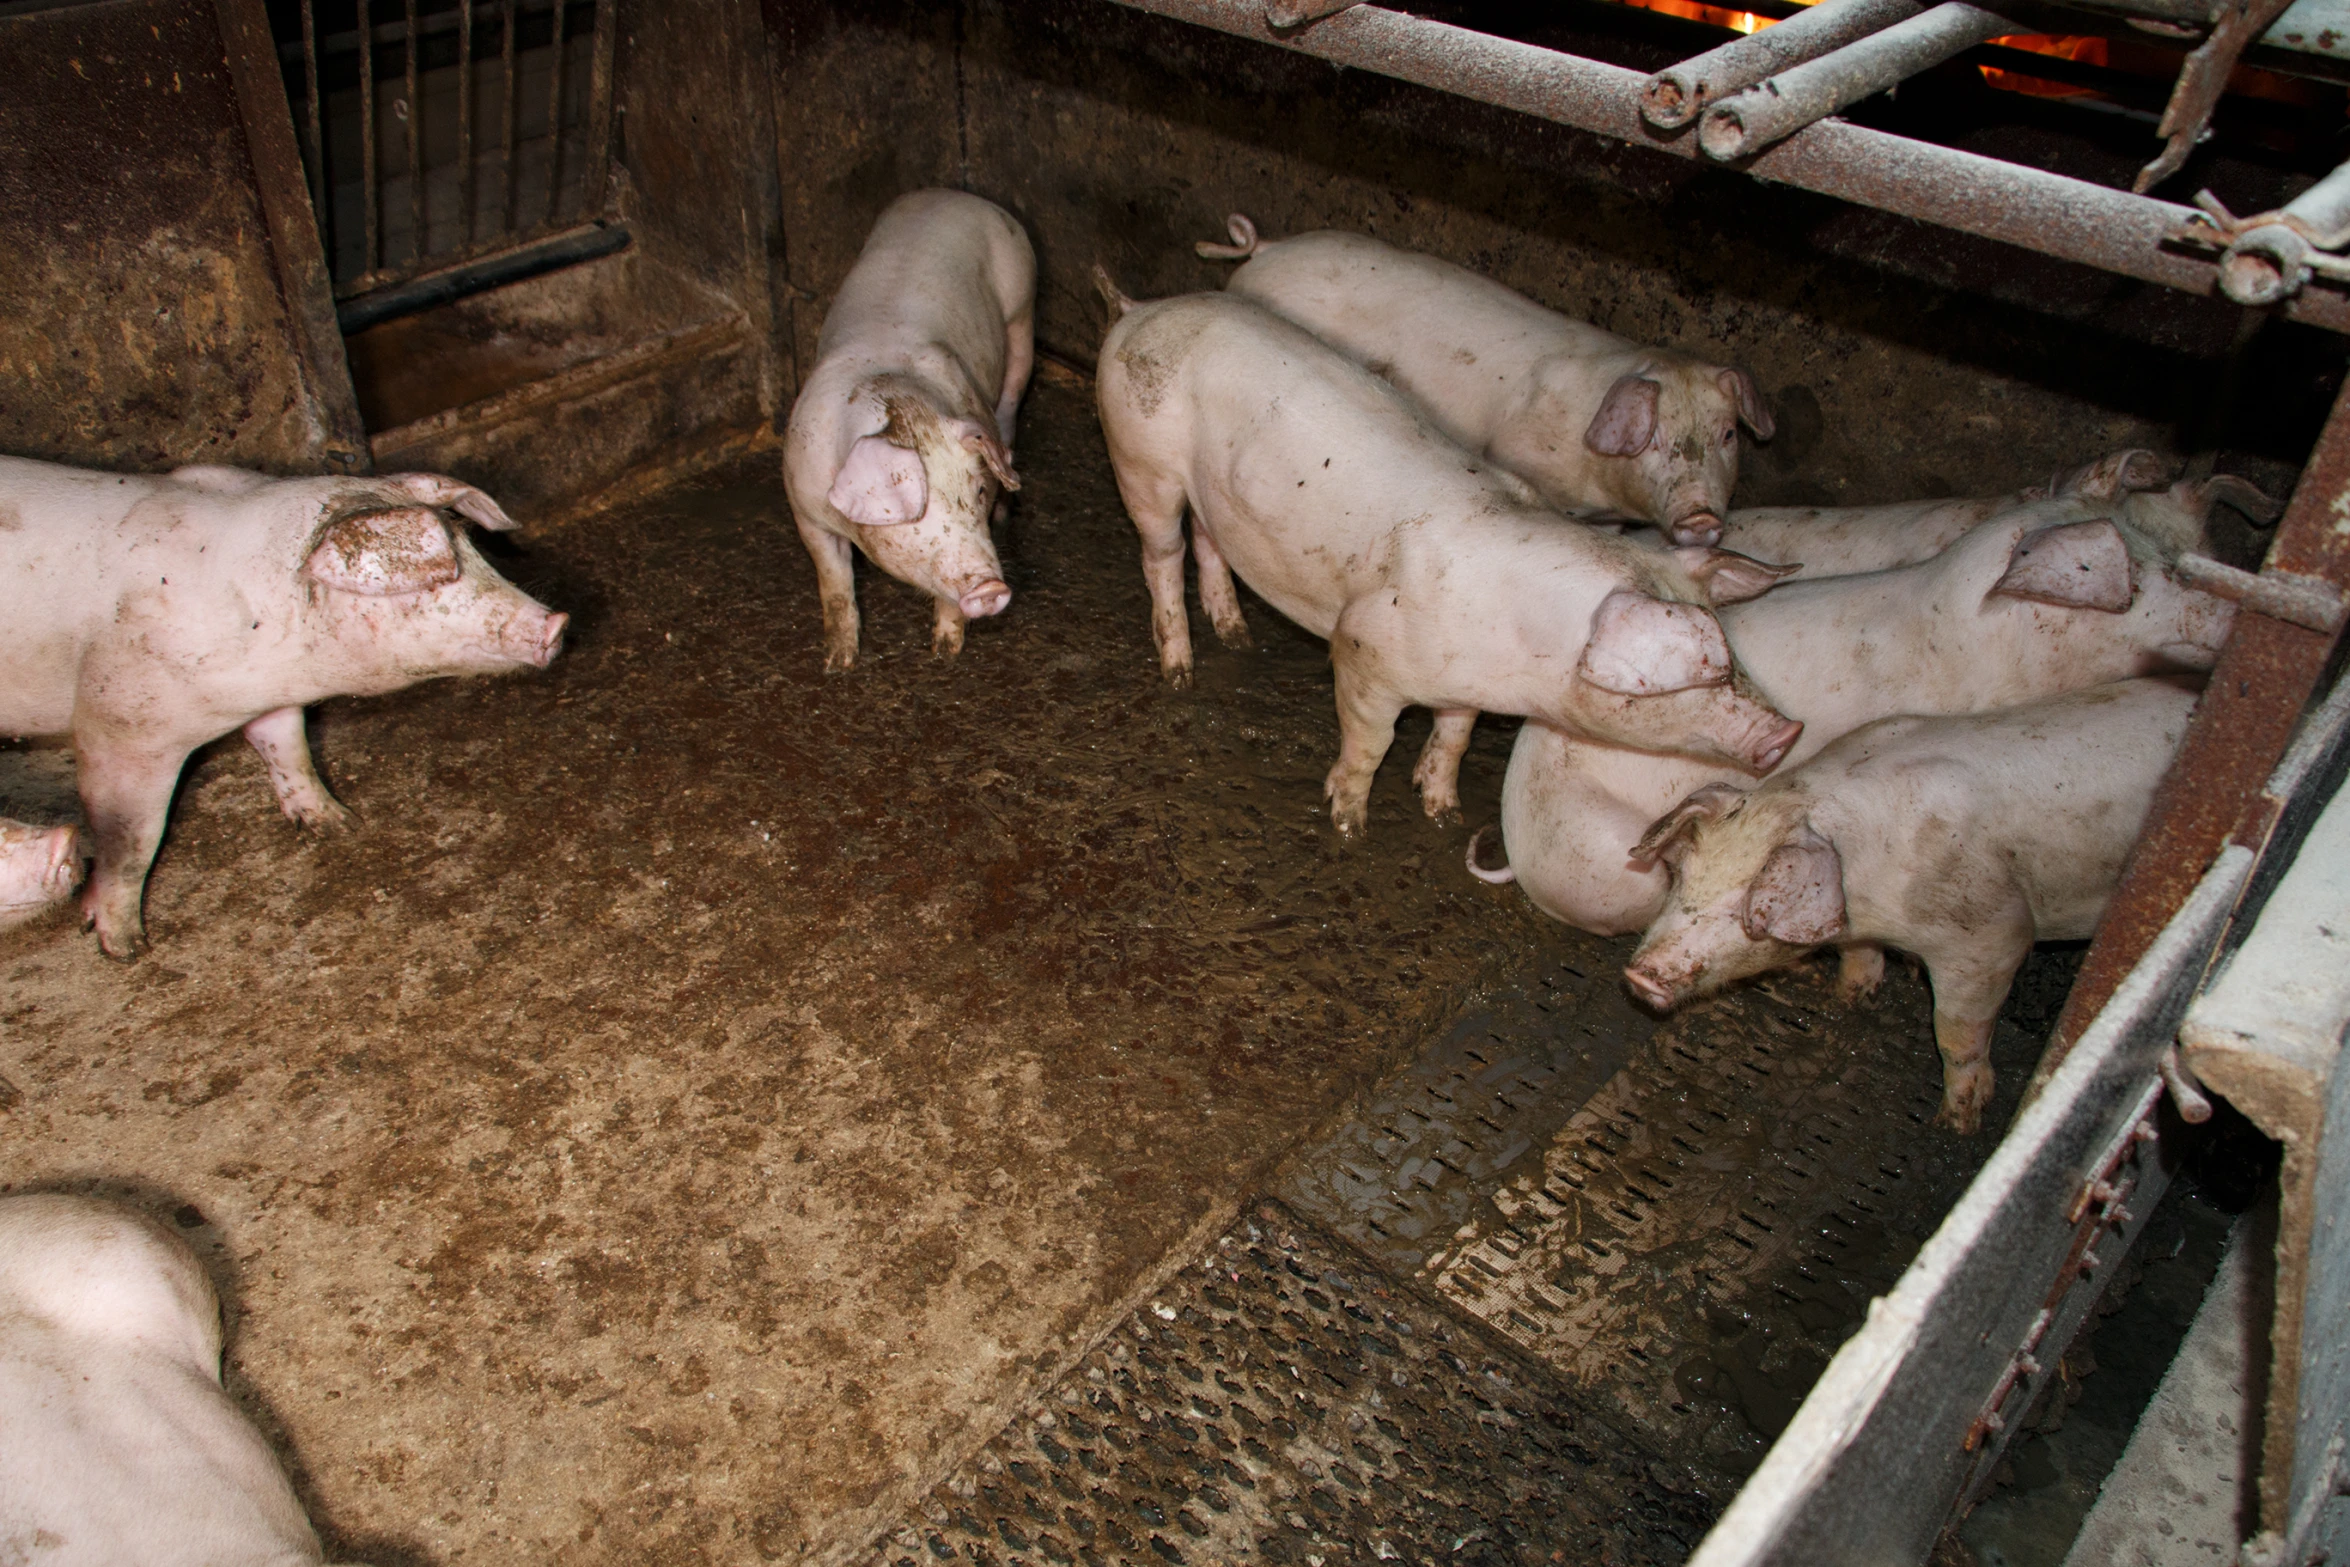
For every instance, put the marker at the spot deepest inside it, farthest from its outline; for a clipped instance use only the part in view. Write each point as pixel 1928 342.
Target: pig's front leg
pixel 126 794
pixel 1860 969
pixel 1367 711
pixel 836 584
pixel 301 793
pixel 1438 774
pixel 946 630
pixel 1155 502
pixel 1216 594
pixel 1965 1045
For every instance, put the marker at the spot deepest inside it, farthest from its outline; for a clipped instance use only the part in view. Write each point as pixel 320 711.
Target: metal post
pixel 465 182
pixel 417 248
pixel 321 188
pixel 1678 94
pixel 372 255
pixel 598 174
pixel 508 194
pixel 1784 104
pixel 555 122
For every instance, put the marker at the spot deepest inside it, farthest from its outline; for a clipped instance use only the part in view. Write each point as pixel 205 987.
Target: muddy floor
pixel 707 1097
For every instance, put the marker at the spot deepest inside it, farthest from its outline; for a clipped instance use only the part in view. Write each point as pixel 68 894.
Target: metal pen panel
pixel 466 183
pixel 555 124
pixel 372 256
pixel 414 104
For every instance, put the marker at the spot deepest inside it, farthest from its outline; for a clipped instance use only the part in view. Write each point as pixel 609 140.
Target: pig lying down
pixel 118 1445
pixel 39 868
pixel 2049 598
pixel 145 617
pixel 1962 840
pixel 1436 580
pixel 1603 428
pixel 902 435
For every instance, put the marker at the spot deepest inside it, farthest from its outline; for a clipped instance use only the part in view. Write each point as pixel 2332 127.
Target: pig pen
pixel 979 1110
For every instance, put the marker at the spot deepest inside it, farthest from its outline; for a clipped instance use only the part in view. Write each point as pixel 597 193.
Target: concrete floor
pixel 706 1097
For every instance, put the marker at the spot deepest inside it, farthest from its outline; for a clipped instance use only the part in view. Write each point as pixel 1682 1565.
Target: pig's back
pixel 60 561
pixel 1837 541
pixel 940 267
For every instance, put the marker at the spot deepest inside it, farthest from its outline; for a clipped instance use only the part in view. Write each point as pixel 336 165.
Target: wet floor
pixel 706 1097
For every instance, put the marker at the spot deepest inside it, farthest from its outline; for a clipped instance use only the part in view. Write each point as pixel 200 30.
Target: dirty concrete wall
pixel 145 324
pixel 1903 360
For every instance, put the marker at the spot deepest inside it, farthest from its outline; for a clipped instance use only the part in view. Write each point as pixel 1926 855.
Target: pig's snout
pixel 1773 746
pixel 1697 528
pixel 1651 990
pixel 989 598
pixel 542 643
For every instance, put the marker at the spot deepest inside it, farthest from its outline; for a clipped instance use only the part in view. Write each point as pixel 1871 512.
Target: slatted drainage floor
pixel 1546 1296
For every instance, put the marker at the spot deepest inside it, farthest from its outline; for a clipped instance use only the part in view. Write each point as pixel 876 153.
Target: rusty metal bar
pixel 2280 595
pixel 465 181
pixel 1678 94
pixel 2030 208
pixel 555 123
pixel 417 247
pixel 371 256
pixel 2213 795
pixel 314 128
pixel 1746 122
pixel 508 194
pixel 595 191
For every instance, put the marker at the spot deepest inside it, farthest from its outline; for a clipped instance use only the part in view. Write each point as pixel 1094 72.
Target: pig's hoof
pixel 1442 811
pixel 122 946
pixel 1964 1098
pixel 328 818
pixel 1179 677
pixel 838 662
pixel 1235 635
pixel 943 646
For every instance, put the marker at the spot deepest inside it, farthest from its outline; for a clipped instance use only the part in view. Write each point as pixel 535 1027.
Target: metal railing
pixel 438 132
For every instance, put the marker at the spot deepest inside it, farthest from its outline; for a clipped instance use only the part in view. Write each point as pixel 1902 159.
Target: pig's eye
pixel 1730 436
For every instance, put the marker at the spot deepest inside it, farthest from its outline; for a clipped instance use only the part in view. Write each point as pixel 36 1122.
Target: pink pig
pixel 1963 840
pixel 1435 579
pixel 902 434
pixel 39 866
pixel 1602 427
pixel 148 616
pixel 2038 602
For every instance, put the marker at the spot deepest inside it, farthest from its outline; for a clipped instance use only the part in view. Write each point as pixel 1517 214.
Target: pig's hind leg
pixel 836 586
pixel 1970 982
pixel 1156 502
pixel 1367 711
pixel 1860 969
pixel 1019 361
pixel 301 793
pixel 126 794
pixel 1216 594
pixel 1438 774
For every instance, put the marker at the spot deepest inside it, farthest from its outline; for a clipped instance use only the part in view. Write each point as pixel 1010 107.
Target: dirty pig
pixel 901 439
pixel 1602 427
pixel 147 616
pixel 1962 840
pixel 39 867
pixel 1437 580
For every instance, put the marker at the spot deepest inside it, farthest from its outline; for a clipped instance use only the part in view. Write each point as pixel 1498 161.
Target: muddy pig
pixel 39 866
pixel 1602 427
pixel 119 1444
pixel 1962 840
pixel 2038 602
pixel 902 435
pixel 148 616
pixel 1437 580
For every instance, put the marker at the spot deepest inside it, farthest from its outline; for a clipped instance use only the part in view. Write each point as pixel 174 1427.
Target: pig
pixel 147 616
pixel 39 867
pixel 1960 839
pixel 1435 578
pixel 901 438
pixel 1601 427
pixel 119 1444
pixel 1835 541
pixel 2041 601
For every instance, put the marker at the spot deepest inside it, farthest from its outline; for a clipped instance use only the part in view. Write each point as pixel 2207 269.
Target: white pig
pixel 902 433
pixel 118 1444
pixel 2022 608
pixel 39 866
pixel 1602 427
pixel 148 616
pixel 1434 578
pixel 1962 840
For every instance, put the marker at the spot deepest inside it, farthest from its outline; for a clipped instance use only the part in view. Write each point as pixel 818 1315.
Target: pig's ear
pixel 991 451
pixel 1729 577
pixel 1626 421
pixel 382 554
pixel 2112 476
pixel 435 489
pixel 1642 646
pixel 1664 835
pixel 881 485
pixel 2079 565
pixel 1739 387
pixel 1799 897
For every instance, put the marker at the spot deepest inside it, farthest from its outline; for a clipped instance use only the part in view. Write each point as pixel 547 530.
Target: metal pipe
pixel 321 189
pixel 2096 225
pixel 598 174
pixel 417 247
pixel 371 255
pixel 508 197
pixel 555 123
pixel 465 180
pixel 1748 121
pixel 2271 258
pixel 1676 95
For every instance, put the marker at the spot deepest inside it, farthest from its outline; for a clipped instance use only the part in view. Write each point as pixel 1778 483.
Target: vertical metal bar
pixel 464 123
pixel 321 188
pixel 555 121
pixel 507 155
pixel 416 245
pixel 372 255
pixel 597 176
